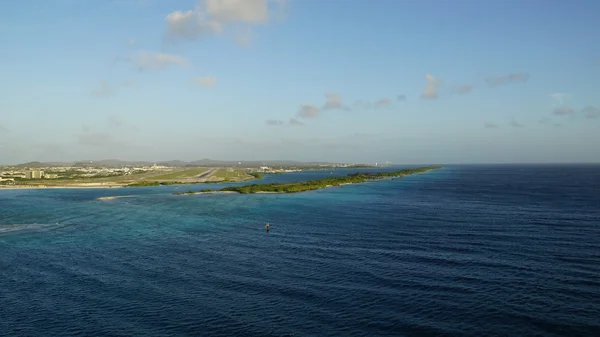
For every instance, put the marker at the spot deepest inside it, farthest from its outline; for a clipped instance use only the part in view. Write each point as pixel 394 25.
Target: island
pixel 295 187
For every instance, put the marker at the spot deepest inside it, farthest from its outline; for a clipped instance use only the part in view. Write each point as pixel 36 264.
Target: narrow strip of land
pixel 316 184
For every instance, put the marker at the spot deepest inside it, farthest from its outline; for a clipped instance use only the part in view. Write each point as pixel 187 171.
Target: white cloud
pixel 383 102
pixel 213 16
pixel 247 11
pixel 431 88
pixel 464 89
pixel 131 42
pixel 207 81
pixel 189 25
pixel 308 111
pixel 114 121
pixel 591 112
pixel 273 122
pixel 506 79
pixel 332 101
pixel 563 111
pixel 294 121
pixel 515 124
pixel 155 61
pixel 103 89
pixel 560 98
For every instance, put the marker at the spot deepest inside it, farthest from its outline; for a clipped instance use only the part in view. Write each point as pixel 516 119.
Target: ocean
pixel 500 250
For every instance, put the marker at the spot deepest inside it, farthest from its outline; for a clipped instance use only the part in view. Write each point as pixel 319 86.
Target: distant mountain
pixel 254 163
pixel 33 164
pixel 176 163
pixel 110 163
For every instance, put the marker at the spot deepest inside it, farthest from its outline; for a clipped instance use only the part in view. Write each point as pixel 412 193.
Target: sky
pixel 409 82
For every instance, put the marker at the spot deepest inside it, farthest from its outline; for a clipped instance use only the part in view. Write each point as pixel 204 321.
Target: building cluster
pixel 12 174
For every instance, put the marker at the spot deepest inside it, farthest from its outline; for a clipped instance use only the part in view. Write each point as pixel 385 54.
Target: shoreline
pixel 315 185
pixel 56 187
pixel 211 192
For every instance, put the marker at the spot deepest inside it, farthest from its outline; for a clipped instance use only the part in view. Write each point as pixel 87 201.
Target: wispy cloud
pixel 563 111
pixel 431 88
pixel 294 121
pixel 383 103
pixel 214 16
pixel 131 42
pixel 548 121
pixel 363 104
pixel 506 79
pixel 103 89
pixel 490 126
pixel 515 124
pixel 274 122
pixel 146 60
pixel 560 98
pixel 114 121
pixel 207 81
pixel 3 129
pixel 591 112
pixel 401 98
pixel 464 89
pixel 332 101
pixel 308 111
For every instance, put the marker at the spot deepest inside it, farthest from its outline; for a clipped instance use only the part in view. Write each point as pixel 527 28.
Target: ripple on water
pixel 465 251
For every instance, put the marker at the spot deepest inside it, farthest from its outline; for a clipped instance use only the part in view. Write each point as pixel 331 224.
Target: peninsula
pixel 295 187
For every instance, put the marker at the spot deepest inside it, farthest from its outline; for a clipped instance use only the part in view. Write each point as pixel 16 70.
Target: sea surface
pixel 463 251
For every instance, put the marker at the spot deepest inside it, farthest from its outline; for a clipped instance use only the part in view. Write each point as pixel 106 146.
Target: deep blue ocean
pixel 464 251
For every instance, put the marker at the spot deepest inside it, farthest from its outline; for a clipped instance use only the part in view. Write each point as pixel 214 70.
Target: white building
pixel 34 174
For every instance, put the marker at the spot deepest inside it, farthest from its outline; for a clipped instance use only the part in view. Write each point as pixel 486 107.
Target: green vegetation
pixel 322 183
pixel 256 175
pixel 194 192
pixel 353 178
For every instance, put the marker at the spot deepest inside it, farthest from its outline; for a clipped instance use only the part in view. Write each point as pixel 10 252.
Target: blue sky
pixel 353 81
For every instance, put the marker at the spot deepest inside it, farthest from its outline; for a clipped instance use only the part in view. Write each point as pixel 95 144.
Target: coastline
pixel 313 185
pixel 211 192
pixel 23 187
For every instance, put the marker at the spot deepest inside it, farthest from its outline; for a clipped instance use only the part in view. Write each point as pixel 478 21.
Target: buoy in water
pixel 267 227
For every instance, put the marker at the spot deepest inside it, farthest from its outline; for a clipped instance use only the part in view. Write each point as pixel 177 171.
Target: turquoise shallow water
pixel 472 250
